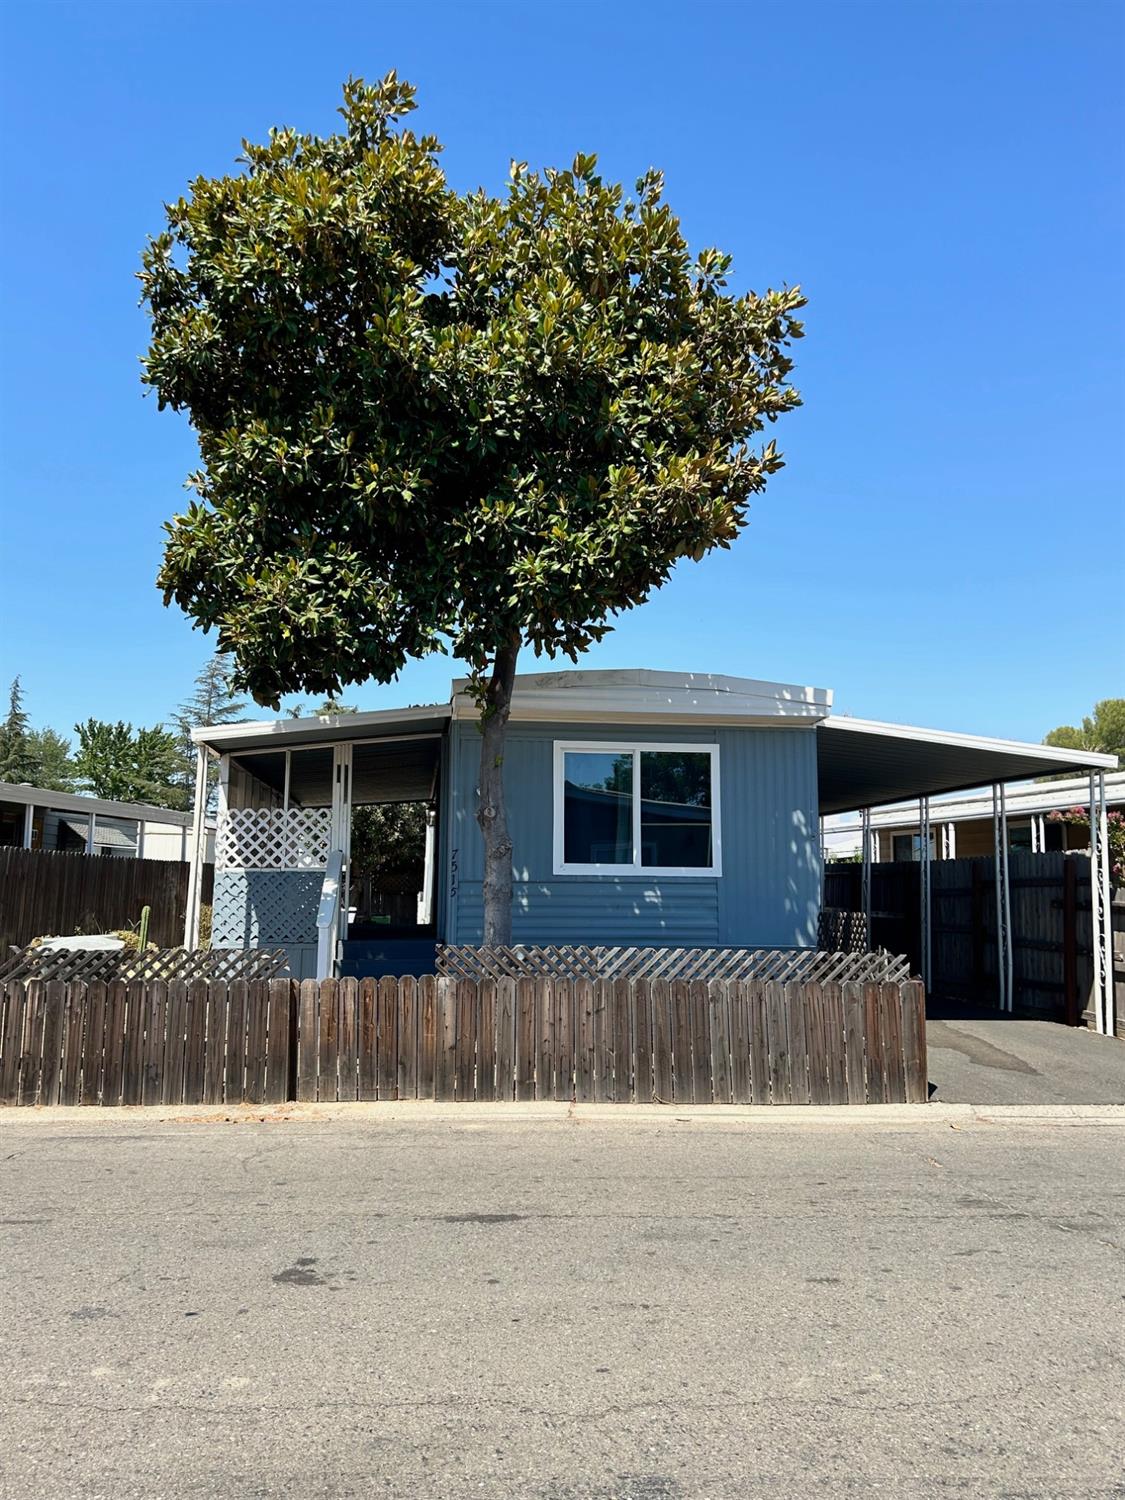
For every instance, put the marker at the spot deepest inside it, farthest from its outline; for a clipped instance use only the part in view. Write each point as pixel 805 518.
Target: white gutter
pixel 1050 753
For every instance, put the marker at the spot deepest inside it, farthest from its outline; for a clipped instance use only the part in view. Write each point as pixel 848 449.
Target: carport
pixel 863 764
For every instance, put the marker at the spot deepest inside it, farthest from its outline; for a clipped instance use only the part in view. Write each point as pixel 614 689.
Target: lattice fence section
pixel 88 964
pixel 273 838
pixel 838 930
pixel 258 908
pixel 804 964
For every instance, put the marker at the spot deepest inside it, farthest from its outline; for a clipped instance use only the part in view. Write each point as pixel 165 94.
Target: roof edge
pixel 1094 759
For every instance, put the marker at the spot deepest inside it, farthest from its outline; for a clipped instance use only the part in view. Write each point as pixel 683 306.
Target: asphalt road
pixel 983 1057
pixel 561 1311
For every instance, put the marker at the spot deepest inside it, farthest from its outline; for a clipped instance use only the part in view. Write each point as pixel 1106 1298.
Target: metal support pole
pixel 924 886
pixel 1004 966
pixel 1101 916
pixel 198 850
pixel 28 824
pixel 426 899
pixel 865 883
pixel 90 825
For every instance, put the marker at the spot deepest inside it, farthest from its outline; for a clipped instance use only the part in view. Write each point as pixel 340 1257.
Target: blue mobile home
pixel 645 808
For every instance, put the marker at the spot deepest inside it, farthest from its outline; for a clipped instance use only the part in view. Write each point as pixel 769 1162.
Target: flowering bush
pixel 1079 817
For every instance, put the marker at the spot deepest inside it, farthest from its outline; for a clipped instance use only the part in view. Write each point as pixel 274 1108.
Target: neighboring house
pixel 644 807
pixel 961 827
pixel 34 818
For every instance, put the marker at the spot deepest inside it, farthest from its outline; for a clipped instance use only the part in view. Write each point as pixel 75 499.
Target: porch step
pixel 371 958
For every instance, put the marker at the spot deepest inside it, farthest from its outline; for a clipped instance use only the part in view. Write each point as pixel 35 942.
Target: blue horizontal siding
pixel 596 909
pixel 768 894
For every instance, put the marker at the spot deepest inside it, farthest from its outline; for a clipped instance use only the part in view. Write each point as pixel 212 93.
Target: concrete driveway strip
pixel 984 1057
pixel 562 1308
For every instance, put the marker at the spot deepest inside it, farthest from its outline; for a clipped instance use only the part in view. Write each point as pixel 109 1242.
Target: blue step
pixel 371 958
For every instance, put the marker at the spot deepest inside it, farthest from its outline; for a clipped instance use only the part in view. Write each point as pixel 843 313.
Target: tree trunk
pixel 491 813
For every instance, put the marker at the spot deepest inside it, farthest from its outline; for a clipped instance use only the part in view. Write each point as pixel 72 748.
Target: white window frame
pixel 636 870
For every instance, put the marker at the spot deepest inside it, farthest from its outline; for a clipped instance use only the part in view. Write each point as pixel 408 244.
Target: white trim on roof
pixel 601 697
pixel 326 729
pixel 1051 753
pixel 639 696
pixel 38 796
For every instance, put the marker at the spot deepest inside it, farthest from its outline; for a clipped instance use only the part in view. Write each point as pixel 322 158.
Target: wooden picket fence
pixel 612 1041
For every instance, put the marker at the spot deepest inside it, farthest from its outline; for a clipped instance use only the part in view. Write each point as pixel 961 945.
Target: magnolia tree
pixel 431 421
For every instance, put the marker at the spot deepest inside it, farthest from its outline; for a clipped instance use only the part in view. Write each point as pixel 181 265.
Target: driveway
pixel 978 1056
pixel 560 1311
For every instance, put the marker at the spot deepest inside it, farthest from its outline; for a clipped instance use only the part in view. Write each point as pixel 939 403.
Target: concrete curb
pixel 423 1112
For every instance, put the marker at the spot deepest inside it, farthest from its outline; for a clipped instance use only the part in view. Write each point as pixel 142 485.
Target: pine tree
pixel 16 760
pixel 213 701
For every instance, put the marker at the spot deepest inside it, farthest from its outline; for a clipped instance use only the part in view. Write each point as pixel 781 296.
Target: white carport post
pixel 1004 970
pixel 1101 916
pixel 425 908
pixel 924 886
pixel 865 884
pixel 198 850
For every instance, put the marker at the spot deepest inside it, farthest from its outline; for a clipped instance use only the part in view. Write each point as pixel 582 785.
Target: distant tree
pixel 329 706
pixel 39 757
pixel 53 765
pixel 213 700
pixel 388 846
pixel 1102 730
pixel 125 764
pixel 432 420
pixel 16 760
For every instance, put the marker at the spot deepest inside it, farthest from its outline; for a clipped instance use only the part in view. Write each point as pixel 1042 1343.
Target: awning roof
pixel 866 764
pixel 288 734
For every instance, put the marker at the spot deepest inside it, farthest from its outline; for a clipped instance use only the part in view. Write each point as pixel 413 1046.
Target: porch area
pixel 329 851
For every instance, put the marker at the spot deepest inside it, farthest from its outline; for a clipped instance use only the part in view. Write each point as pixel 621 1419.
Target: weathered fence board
pixel 1051 928
pixel 44 893
pixel 265 1041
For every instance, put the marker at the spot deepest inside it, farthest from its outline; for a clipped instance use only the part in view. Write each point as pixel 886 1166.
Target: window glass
pixel 598 807
pixel 904 847
pixel 676 809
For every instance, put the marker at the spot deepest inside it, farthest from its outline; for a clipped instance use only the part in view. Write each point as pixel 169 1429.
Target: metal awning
pixel 324 729
pixel 862 763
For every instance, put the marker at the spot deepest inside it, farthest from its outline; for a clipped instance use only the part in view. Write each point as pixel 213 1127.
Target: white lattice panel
pixel 270 838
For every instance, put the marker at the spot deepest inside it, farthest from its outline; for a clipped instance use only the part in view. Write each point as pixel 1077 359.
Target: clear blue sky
pixel 944 180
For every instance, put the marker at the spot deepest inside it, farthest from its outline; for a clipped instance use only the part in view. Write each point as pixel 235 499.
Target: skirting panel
pixel 261 908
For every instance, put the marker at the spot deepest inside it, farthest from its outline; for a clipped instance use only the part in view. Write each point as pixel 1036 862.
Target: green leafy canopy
pixel 432 420
pixel 124 764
